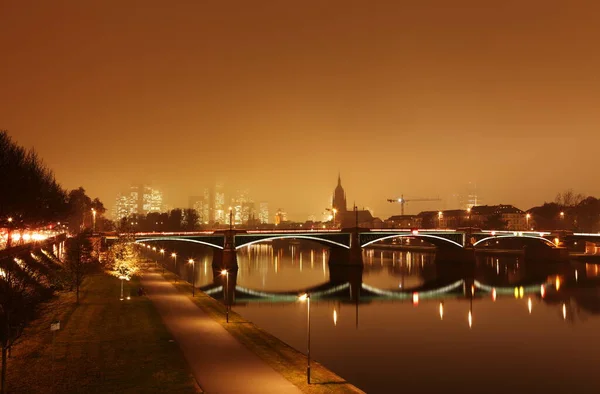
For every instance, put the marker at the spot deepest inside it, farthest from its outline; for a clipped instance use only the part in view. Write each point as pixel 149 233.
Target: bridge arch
pixel 327 242
pixel 541 239
pixel 433 239
pixel 178 239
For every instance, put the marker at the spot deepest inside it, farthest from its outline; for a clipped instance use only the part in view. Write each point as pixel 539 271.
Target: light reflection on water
pixel 515 336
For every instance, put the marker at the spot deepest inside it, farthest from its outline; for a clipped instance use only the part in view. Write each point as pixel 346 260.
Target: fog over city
pixel 401 99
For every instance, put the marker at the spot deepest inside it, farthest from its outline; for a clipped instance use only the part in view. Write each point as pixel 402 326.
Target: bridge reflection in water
pixel 389 276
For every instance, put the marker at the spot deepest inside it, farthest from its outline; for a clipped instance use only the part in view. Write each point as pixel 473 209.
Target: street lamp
pixel 174 255
pixel 162 259
pixel 527 217
pixel 123 276
pixel 440 213
pixel 193 263
pixel 93 220
pixel 306 297
pixel 9 236
pixel 470 224
pixel 226 273
pixel 230 218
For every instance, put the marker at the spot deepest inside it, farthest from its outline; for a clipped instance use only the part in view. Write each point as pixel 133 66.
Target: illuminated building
pixel 122 206
pixel 280 216
pixel 139 200
pixel 219 215
pixel 263 212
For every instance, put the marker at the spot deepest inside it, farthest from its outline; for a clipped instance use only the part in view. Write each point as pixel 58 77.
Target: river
pixel 407 323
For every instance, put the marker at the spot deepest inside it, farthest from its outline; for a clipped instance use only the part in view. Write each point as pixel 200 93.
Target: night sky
pixel 402 97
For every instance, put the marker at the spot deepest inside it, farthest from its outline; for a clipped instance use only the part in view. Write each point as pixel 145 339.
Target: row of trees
pixel 174 220
pixel 32 198
pixel 569 211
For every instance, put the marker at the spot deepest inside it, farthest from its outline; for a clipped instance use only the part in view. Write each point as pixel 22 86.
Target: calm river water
pixel 407 323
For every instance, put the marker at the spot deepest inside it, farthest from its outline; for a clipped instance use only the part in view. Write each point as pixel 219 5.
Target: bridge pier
pixel 454 255
pixel 339 256
pixel 226 258
pixel 352 256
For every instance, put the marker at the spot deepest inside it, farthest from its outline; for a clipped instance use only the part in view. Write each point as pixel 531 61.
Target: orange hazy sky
pixel 402 97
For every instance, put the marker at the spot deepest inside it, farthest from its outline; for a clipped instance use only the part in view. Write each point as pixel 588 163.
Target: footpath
pixel 217 360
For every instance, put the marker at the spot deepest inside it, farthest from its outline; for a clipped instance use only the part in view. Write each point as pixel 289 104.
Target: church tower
pixel 339 197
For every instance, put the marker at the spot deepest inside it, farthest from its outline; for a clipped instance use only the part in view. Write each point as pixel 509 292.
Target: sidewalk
pixel 218 361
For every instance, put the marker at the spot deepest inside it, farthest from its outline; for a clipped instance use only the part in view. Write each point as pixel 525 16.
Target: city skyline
pixel 277 197
pixel 414 100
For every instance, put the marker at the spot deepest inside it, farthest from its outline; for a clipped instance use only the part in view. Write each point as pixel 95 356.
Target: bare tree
pixel 569 198
pixel 78 261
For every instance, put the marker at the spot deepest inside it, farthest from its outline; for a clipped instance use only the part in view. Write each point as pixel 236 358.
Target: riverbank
pixel 278 355
pixel 104 345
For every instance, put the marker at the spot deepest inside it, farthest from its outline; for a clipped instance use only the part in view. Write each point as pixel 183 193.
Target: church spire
pixel 339 179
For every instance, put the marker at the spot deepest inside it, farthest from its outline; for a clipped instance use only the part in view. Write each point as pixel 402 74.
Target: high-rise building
pixel 263 213
pixel 219 213
pixel 122 206
pixel 139 200
pixel 155 200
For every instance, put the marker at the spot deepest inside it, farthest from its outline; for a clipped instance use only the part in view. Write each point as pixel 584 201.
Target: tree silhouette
pixel 78 260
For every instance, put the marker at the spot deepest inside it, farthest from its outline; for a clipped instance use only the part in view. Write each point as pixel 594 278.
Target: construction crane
pixel 401 200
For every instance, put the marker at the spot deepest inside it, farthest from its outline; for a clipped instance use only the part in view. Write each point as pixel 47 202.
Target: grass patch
pixel 277 354
pixel 104 346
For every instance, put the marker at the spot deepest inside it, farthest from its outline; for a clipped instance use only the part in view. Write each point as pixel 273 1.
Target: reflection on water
pixel 407 323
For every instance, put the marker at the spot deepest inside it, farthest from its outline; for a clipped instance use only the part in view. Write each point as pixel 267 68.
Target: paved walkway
pixel 218 361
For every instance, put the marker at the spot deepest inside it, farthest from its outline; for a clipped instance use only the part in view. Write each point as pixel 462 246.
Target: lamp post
pixel 9 236
pixel 470 224
pixel 174 255
pixel 306 297
pixel 162 259
pixel 226 273
pixel 193 263
pixel 93 220
pixel 527 217
pixel 562 220
pixel 440 213
pixel 230 218
pixel 123 276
